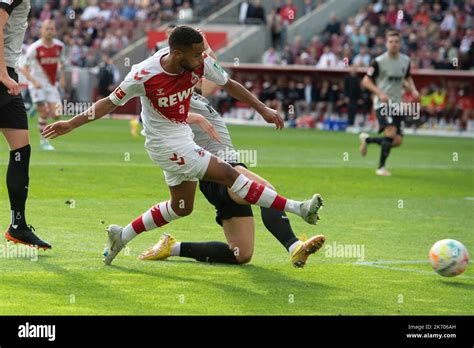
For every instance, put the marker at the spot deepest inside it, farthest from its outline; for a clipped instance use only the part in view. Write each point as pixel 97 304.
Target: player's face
pixel 193 58
pixel 393 44
pixel 48 31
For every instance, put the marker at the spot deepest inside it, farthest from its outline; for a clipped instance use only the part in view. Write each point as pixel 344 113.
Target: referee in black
pixel 13 119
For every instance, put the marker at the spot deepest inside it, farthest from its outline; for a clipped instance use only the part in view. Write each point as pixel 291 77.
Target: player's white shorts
pixel 180 162
pixel 45 94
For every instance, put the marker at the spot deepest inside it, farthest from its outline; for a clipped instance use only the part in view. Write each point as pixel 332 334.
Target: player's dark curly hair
pixel 183 37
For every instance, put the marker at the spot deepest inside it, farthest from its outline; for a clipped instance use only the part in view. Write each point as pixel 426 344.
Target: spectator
pixel 449 22
pixel 328 59
pixel 271 57
pixel 129 10
pixel 243 10
pixel 108 76
pixel 91 12
pixel 349 27
pixel 310 95
pixel 363 58
pixel 437 15
pixel 422 19
pixel 256 13
pixel 383 26
pixel 307 7
pixel 334 26
pixel 186 13
pixel 288 13
pixel 46 12
pixel 371 16
pixel 352 92
pixel 292 97
pixel 276 27
pixel 287 56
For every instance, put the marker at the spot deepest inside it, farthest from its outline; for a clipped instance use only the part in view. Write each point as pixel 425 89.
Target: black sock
pixel 217 252
pixel 17 183
pixel 385 150
pixel 279 225
pixel 374 140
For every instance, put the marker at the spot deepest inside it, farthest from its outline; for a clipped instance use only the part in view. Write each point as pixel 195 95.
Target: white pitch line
pixel 380 264
pixel 392 262
pixel 469 198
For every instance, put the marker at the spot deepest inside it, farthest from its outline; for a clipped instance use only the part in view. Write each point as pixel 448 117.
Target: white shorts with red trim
pixel 185 161
pixel 45 94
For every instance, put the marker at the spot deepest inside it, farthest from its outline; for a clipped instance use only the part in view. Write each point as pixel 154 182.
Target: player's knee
pixel 269 185
pixel 182 209
pixel 229 175
pixel 244 258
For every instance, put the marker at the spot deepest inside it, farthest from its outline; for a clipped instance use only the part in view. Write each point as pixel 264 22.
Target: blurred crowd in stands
pixel 309 101
pixel 436 34
pixel 91 28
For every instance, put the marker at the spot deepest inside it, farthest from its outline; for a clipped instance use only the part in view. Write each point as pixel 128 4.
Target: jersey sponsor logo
pixel 175 98
pixel 395 78
pixel 119 93
pixel 49 60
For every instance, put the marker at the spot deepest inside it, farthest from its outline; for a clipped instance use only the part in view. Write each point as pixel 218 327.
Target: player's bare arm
pixel 205 125
pixel 62 76
pixel 12 85
pixel 95 112
pixel 242 94
pixel 371 86
pixel 27 73
pixel 410 86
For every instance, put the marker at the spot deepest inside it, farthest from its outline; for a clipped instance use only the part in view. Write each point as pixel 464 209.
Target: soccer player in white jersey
pixel 14 121
pixel 44 61
pixel 232 212
pixel 165 83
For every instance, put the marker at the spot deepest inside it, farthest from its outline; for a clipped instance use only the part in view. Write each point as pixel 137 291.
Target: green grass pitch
pixel 110 179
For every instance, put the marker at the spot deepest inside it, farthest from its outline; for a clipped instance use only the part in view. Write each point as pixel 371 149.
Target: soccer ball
pixel 448 257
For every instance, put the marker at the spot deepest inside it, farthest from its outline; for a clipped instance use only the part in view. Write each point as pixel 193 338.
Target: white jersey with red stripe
pixel 43 61
pixel 165 97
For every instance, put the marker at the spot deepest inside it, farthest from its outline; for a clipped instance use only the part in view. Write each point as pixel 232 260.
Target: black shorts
pixel 218 196
pixel 12 108
pixel 385 121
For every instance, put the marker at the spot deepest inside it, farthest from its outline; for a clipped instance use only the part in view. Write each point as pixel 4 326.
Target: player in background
pixel 165 83
pixel 44 61
pixel 14 121
pixel 385 78
pixel 233 214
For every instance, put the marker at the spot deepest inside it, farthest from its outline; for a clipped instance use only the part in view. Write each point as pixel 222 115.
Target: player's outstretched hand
pixel 272 116
pixel 56 129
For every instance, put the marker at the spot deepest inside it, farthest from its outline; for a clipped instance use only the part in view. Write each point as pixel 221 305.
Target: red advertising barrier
pixel 249 72
pixel 422 77
pixel 216 40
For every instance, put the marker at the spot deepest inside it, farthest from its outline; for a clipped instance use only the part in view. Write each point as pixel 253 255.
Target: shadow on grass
pixel 459 285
